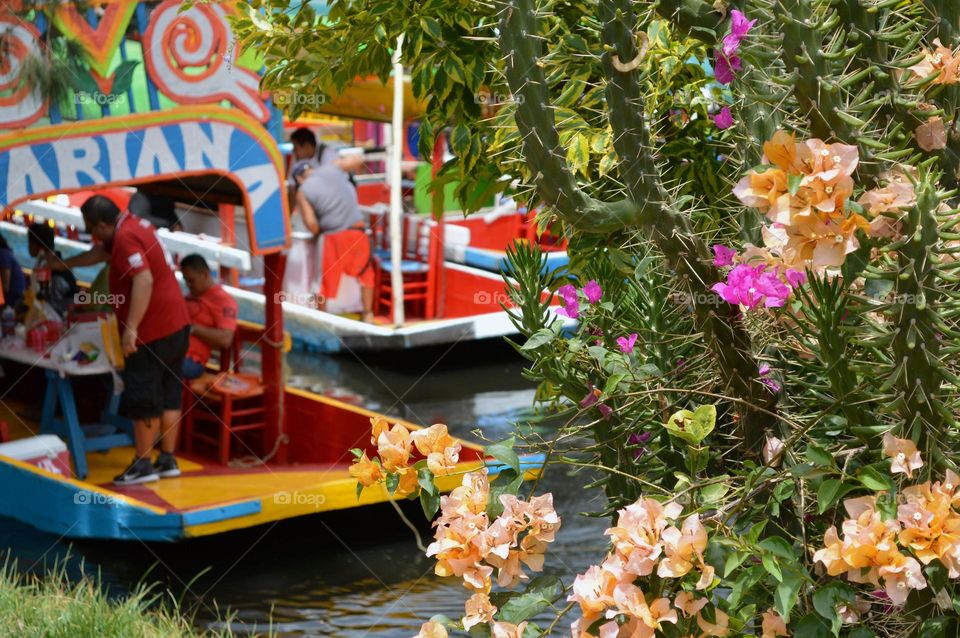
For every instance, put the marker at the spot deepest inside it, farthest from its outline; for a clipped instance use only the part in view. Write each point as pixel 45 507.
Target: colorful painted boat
pixel 184 133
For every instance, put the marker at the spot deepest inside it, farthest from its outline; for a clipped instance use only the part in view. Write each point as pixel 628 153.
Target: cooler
pixel 46 451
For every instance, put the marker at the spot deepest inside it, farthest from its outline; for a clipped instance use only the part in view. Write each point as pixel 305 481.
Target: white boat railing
pixel 177 242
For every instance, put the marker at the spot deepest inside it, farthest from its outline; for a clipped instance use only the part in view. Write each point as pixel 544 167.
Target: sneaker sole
pixel 169 473
pixel 137 481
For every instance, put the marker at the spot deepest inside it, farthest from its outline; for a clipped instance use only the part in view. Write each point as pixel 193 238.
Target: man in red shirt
pixel 213 315
pixel 155 328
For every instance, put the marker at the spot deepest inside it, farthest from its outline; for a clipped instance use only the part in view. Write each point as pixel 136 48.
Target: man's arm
pixel 308 213
pixel 96 255
pixel 213 337
pixel 140 292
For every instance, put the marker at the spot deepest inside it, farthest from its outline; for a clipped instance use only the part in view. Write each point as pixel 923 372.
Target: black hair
pixel 100 209
pixel 194 262
pixel 303 136
pixel 41 234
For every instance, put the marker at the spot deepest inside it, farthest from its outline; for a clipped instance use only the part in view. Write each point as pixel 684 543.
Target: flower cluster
pixel 727 60
pixel 571 299
pixel 874 549
pixel 749 286
pixel 469 546
pixel 646 540
pixel 942 62
pixel 395 450
pixel 804 192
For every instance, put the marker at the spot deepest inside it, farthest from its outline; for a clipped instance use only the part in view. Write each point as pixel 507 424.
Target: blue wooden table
pixel 111 431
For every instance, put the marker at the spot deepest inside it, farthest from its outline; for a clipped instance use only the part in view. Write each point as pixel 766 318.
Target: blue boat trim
pixel 221 513
pixel 527 462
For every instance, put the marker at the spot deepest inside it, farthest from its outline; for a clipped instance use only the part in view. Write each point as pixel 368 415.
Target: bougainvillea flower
pixel 750 286
pixel 763 190
pixel 683 548
pixel 772 449
pixel 941 60
pixel 773 625
pixel 435 438
pixel 366 471
pixel 719 628
pixel 432 630
pixel 636 537
pixel 931 527
pixel 507 630
pixel 900 577
pixel 795 278
pixel 593 591
pixel 394 448
pixel 932 134
pixel 850 613
pixel 689 604
pixel 897 194
pixel 592 291
pixel 378 425
pixel 593 395
pixel 571 303
pixel 723 119
pixel 725 67
pixel 630 601
pixel 904 454
pixel 626 343
pixel 605 410
pixel 479 610
pixel 739 28
pixel 723 255
pixel 637 439
pixel 764 372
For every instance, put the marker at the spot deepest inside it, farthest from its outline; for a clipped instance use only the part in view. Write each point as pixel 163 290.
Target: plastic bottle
pixel 8 321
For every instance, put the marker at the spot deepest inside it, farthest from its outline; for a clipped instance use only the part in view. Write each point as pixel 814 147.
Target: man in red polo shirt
pixel 155 330
pixel 213 315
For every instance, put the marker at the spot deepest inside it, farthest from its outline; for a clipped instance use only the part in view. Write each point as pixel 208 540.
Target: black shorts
pixel 151 376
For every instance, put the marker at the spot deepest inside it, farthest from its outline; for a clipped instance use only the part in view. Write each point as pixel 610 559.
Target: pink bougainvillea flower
pixel 904 454
pixel 571 303
pixel 479 610
pixel 725 68
pixel 626 343
pixel 795 278
pixel 593 395
pixel 637 439
pixel 739 28
pixel 764 372
pixel 751 285
pixel 605 410
pixel 773 625
pixel 592 291
pixel 723 256
pixel 432 630
pixel 723 119
pixel 567 292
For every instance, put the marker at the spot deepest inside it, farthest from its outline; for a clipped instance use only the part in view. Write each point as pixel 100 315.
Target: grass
pixel 54 607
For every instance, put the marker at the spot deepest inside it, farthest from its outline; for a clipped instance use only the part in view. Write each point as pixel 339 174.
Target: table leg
pixel 78 441
pixel 48 414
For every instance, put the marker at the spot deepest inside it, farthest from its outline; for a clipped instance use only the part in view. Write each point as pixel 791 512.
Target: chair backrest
pixel 231 359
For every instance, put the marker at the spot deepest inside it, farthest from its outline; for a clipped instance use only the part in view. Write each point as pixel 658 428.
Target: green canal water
pixel 358 575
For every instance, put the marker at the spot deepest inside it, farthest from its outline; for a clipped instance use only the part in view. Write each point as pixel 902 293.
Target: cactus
pixel 646 205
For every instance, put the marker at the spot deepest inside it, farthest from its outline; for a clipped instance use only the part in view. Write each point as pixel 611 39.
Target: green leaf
pixel 392 480
pixel 539 338
pixel 693 427
pixel 503 452
pixel 507 482
pixel 827 598
pixel 793 183
pixel 874 480
pixel 861 632
pixel 578 154
pixel 934 627
pixel 830 493
pixel 778 546
pixel 785 597
pixel 538 596
pixel 123 76
pixel 770 564
pixel 359 490
pixel 734 560
pixel 818 456
pixel 812 626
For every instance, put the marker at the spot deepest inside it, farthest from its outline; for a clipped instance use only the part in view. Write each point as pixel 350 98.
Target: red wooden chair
pixel 419 247
pixel 219 406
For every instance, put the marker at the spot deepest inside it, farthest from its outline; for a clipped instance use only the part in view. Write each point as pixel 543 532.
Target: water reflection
pixel 348 575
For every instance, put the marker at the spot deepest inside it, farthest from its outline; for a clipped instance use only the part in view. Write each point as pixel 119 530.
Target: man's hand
pixel 129 341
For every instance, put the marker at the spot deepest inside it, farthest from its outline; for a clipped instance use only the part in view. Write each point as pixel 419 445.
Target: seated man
pixel 61 289
pixel 213 315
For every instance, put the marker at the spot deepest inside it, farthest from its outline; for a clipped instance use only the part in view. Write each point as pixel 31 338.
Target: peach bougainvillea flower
pixel 432 630
pixel 394 447
pixel 772 451
pixel 941 60
pixel 479 610
pixel 931 527
pixel 683 548
pixel 688 604
pixel 932 134
pixel 432 439
pixel 366 472
pixel 720 627
pixel 636 536
pixel 593 592
pixel 896 195
pixel 378 425
pixel 904 454
pixel 507 630
pixel 629 600
pixel 773 625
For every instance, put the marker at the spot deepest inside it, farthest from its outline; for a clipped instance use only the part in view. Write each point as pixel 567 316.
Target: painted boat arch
pixel 177 144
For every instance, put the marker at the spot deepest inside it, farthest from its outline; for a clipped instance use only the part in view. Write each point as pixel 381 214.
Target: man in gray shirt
pixel 326 202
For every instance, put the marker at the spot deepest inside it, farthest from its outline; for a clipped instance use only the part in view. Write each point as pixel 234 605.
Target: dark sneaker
pixel 166 466
pixel 140 471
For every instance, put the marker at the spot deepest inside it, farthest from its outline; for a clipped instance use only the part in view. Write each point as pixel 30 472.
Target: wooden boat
pixel 188 142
